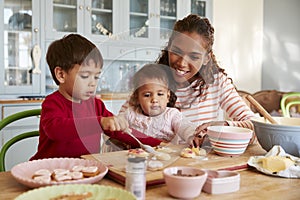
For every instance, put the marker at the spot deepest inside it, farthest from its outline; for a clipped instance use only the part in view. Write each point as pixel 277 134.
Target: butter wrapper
pixel 292 169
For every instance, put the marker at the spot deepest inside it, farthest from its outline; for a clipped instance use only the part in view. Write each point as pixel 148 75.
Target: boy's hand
pixel 163 144
pixel 114 123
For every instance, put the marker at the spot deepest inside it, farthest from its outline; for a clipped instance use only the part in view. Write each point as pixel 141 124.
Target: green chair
pixel 288 100
pixel 13 118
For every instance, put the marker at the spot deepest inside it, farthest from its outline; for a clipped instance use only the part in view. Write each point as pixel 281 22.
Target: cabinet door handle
pixel 88 8
pixel 36 30
pixel 80 7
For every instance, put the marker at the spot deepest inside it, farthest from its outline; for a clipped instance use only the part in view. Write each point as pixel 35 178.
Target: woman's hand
pixel 114 123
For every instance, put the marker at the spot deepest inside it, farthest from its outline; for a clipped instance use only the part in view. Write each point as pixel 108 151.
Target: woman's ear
pixel 206 59
pixel 169 95
pixel 59 74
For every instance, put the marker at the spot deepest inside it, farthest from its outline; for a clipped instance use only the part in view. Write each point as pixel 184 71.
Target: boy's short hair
pixel 70 50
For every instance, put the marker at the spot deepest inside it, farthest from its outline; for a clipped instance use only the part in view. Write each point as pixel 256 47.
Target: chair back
pixel 13 118
pixel 289 100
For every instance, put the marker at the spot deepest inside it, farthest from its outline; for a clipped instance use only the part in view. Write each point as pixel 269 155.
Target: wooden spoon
pixel 261 110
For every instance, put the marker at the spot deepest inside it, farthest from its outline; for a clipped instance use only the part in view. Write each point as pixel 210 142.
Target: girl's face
pixel 186 55
pixel 80 82
pixel 153 96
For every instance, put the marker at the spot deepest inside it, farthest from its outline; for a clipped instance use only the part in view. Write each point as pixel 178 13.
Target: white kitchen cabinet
pixel 147 25
pixel 200 7
pixel 124 30
pixel 95 19
pixel 149 21
pixel 20 33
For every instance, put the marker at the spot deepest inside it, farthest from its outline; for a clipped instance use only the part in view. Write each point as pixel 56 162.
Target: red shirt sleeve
pixel 125 138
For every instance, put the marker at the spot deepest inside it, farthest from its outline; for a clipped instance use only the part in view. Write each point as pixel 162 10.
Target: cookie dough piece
pixel 162 156
pixel 42 179
pixel 77 168
pixel 90 171
pixel 187 153
pixel 155 165
pixel 76 175
pixel 42 172
pixel 164 149
pixel 199 151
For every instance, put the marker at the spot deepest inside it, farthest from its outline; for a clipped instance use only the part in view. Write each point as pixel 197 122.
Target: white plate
pixel 23 172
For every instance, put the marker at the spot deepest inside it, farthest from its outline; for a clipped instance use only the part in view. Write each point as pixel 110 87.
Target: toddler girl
pixel 148 110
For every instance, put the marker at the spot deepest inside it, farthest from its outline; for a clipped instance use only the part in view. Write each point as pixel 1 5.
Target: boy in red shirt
pixel 72 119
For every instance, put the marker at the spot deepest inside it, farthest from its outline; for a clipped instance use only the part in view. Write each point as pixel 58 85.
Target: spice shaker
pixel 135 177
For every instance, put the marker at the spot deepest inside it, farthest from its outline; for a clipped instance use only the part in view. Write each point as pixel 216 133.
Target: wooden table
pixel 254 185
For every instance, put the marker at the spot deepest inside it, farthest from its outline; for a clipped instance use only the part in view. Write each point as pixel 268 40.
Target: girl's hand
pixel 197 142
pixel 201 131
pixel 114 123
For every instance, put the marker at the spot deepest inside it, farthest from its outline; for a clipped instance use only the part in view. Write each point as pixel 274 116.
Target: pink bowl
pixel 229 140
pixel 23 172
pixel 184 187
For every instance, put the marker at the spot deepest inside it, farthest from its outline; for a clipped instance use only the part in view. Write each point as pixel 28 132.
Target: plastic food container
pixel 220 182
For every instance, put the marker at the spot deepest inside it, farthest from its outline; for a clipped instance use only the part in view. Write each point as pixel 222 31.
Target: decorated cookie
pixel 187 153
pixel 138 152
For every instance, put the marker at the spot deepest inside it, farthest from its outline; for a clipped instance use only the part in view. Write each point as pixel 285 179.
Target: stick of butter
pixel 276 163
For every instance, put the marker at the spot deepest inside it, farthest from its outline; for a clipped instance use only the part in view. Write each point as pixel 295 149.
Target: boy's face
pixel 153 97
pixel 80 82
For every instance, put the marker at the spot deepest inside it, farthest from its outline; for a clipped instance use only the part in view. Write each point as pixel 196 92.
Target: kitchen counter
pixel 113 96
pixel 20 101
pixel 39 99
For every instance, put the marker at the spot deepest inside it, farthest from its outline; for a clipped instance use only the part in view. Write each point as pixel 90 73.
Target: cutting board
pixel 116 162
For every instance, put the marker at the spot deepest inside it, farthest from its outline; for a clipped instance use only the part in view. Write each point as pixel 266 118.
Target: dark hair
pixel 70 50
pixel 153 71
pixel 194 23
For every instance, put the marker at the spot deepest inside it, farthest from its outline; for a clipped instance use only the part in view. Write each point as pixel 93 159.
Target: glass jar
pixel 136 177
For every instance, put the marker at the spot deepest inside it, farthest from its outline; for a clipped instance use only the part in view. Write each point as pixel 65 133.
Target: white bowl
pixel 184 187
pixel 286 134
pixel 229 140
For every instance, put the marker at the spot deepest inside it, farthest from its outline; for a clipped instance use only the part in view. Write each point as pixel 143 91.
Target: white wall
pixel 281 61
pixel 239 40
